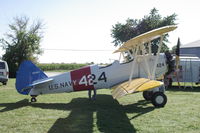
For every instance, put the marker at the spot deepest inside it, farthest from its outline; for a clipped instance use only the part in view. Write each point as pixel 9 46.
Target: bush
pixel 59 66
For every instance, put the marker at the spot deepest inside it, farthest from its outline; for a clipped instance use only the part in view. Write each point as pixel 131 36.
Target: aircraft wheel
pixel 147 95
pixel 4 83
pixel 159 99
pixel 33 100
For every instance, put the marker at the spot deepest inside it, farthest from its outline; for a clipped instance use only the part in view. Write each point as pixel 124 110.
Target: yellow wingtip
pixel 136 85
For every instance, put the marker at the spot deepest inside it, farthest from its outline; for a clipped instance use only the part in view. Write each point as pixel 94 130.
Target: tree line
pixel 60 66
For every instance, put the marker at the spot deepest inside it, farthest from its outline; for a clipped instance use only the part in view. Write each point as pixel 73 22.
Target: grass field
pixel 74 113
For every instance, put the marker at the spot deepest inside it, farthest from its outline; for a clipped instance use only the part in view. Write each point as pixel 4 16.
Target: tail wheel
pixel 159 99
pixel 147 95
pixel 33 100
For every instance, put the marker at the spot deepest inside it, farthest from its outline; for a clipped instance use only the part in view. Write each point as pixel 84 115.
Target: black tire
pixel 159 99
pixel 4 83
pixel 33 100
pixel 147 95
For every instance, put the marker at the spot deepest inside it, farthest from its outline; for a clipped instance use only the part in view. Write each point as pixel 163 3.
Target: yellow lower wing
pixel 136 85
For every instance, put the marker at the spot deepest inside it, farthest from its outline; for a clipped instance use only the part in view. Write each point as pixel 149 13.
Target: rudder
pixel 26 75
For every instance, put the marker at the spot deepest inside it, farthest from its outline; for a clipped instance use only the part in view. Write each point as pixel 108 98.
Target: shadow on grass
pixel 110 115
pixel 187 89
pixel 13 106
pixel 139 108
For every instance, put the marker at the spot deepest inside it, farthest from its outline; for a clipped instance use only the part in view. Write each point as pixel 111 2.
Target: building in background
pixel 191 49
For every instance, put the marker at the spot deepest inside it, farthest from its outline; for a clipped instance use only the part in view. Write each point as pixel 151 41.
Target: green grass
pixel 186 84
pixel 62 71
pixel 74 113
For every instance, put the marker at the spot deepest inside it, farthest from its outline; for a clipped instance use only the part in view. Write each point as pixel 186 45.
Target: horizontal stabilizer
pixel 136 85
pixel 41 82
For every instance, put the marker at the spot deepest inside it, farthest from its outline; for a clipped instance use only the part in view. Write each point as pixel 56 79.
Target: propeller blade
pixel 177 53
pixel 178 60
pixel 178 47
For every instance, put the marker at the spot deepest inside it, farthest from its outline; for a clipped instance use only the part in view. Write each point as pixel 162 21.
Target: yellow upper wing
pixel 136 85
pixel 146 37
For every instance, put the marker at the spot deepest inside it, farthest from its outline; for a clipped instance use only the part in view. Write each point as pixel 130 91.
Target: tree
pixel 173 50
pixel 134 27
pixel 21 43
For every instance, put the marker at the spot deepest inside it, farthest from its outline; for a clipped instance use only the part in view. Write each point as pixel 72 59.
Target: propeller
pixel 170 67
pixel 177 60
pixel 173 65
pixel 177 53
pixel 169 62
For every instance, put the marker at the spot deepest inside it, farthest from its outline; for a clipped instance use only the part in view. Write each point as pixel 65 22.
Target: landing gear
pixel 147 95
pixel 33 99
pixel 159 99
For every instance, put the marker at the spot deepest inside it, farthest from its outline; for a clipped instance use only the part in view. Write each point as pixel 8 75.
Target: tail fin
pixel 26 74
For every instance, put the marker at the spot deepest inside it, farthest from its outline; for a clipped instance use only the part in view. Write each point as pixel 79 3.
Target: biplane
pixel 137 73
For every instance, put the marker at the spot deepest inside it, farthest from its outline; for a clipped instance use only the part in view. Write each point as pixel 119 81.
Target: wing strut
pixel 149 45
pixel 133 64
pixel 157 56
pixel 145 61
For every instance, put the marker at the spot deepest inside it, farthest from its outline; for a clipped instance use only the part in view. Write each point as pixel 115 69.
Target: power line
pixel 97 50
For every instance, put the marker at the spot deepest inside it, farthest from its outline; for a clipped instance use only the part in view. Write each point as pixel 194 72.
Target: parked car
pixel 4 72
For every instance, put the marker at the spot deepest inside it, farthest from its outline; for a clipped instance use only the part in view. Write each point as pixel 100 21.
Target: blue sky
pixel 86 24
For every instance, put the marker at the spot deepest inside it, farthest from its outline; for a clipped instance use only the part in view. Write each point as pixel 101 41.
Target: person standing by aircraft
pixel 90 94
